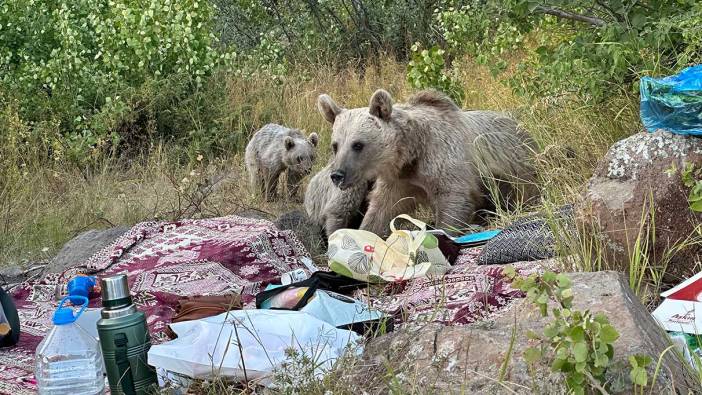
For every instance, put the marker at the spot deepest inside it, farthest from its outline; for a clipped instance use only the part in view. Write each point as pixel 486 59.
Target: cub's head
pixel 300 152
pixel 357 141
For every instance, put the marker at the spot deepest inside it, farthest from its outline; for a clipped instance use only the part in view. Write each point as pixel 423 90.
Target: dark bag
pixel 9 321
pixel 528 239
pixel 336 283
pixel 203 306
pixel 329 281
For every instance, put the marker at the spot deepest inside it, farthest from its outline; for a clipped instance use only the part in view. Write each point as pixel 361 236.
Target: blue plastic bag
pixel 673 103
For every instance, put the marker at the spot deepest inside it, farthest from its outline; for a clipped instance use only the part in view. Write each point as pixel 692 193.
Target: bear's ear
pixel 313 139
pixel 289 143
pixel 328 108
pixel 381 105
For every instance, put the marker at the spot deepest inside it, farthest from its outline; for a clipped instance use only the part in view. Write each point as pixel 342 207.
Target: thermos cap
pixel 115 291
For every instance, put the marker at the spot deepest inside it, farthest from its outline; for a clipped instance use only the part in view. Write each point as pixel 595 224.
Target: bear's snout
pixel 337 177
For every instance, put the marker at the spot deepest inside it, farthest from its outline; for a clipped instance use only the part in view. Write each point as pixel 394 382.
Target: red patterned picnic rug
pixel 168 260
pixel 466 294
pixel 164 261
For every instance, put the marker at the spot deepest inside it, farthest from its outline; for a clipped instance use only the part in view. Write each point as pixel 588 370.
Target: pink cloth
pixel 163 261
pixel 467 293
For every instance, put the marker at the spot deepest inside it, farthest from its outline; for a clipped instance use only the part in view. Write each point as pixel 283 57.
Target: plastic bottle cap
pixel 80 286
pixel 63 316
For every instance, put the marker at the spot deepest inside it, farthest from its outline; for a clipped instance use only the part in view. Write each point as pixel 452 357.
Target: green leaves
pixel 62 59
pixel 591 59
pixel 608 334
pixel 577 334
pixel 580 351
pixel 427 70
pixel 551 330
pixel 581 343
pixel 638 374
pixel 691 176
pixel 695 197
pixel 563 281
pixel 532 355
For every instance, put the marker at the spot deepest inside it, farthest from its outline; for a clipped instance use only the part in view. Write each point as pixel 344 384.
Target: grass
pixel 44 205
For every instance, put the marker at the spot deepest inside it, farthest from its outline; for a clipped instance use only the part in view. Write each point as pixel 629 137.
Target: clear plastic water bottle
pixel 69 361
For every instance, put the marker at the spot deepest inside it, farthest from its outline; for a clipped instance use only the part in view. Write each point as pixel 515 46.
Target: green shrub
pixel 481 30
pixel 75 63
pixel 589 49
pixel 427 69
pixel 577 343
pixel 85 44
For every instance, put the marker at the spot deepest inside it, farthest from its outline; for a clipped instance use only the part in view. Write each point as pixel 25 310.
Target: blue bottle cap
pixel 63 316
pixel 80 286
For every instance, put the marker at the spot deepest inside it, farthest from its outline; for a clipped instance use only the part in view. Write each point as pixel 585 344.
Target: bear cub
pixel 275 149
pixel 330 208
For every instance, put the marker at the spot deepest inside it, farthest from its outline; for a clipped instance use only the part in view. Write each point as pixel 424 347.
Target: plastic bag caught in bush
pixel 673 103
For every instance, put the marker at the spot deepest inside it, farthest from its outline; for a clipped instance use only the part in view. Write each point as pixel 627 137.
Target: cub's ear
pixel 381 105
pixel 328 108
pixel 289 143
pixel 313 139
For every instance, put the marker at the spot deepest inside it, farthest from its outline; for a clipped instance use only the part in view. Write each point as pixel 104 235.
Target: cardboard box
pixel 681 311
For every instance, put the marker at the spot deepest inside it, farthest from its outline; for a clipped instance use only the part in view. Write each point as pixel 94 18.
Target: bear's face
pixel 299 153
pixel 357 138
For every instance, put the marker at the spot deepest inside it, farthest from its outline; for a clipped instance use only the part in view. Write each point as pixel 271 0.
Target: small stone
pixel 12 274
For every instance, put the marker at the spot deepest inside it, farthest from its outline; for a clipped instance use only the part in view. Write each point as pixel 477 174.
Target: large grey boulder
pixel 470 360
pixel 635 175
pixel 82 247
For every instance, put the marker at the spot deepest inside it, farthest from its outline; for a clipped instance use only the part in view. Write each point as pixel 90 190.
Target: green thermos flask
pixel 124 339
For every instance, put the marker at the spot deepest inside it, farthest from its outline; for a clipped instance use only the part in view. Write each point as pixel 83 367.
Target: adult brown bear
pixel 429 151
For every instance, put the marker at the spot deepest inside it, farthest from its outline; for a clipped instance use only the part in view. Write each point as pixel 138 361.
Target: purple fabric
pixel 467 293
pixel 164 261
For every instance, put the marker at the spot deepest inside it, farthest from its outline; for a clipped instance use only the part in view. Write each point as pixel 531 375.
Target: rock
pixel 311 235
pixel 82 247
pixel 470 359
pixel 634 173
pixel 12 274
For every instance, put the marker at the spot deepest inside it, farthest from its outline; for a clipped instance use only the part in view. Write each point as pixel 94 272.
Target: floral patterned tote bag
pixel 404 255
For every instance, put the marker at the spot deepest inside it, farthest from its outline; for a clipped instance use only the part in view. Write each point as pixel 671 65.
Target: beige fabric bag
pixel 404 255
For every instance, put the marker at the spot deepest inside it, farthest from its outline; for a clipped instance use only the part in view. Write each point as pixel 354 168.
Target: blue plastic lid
pixel 64 315
pixel 477 237
pixel 80 286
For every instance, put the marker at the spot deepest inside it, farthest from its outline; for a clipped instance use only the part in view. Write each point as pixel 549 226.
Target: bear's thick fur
pixel 275 149
pixel 330 208
pixel 431 152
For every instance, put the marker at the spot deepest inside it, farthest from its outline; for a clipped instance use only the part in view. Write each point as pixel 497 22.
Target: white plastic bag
pixel 209 347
